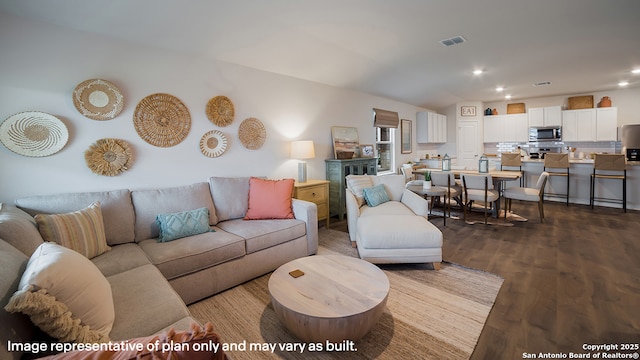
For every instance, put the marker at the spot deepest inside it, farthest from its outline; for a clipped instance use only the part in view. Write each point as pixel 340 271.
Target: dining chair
pixel 535 194
pixel 447 181
pixel 511 162
pixel 407 171
pixel 557 165
pixel 478 189
pixel 609 166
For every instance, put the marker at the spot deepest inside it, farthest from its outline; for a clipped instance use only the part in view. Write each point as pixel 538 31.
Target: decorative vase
pixel 494 112
pixel 605 102
pixel 426 185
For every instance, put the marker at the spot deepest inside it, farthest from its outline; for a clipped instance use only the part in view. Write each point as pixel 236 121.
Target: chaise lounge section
pixel 388 223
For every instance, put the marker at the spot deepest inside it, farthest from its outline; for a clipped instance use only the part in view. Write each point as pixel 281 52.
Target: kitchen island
pixel 580 182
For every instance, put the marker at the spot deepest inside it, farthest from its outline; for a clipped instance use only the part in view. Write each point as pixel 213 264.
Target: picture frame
pixel 467 110
pixel 366 151
pixel 345 140
pixel 405 136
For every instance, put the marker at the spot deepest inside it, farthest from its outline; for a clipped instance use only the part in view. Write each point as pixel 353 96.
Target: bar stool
pixel 609 166
pixel 554 164
pixel 512 161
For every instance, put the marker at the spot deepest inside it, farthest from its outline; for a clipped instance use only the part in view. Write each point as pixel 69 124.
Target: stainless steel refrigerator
pixel 631 141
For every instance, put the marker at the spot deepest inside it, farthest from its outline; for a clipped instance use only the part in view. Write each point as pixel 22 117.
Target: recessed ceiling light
pixel 507 97
pixel 623 83
pixel 477 72
pixel 635 71
pixel 499 89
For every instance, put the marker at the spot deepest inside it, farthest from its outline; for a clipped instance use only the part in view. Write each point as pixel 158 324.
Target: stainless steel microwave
pixel 549 133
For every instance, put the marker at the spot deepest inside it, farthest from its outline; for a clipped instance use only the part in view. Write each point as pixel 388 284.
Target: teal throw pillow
pixel 376 195
pixel 182 224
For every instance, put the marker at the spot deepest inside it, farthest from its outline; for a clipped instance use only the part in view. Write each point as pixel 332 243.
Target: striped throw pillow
pixel 82 230
pixel 376 195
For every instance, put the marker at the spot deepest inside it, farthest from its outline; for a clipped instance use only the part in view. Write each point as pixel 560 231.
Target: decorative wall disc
pixel 109 157
pixel 162 120
pixel 252 133
pixel 98 99
pixel 220 111
pixel 213 143
pixel 33 133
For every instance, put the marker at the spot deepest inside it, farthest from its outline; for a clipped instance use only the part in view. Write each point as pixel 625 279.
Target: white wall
pixel 40 65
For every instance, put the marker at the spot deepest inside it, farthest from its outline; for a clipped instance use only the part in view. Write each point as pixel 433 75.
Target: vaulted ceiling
pixel 389 48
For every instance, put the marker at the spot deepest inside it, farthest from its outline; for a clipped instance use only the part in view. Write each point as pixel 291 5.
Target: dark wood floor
pixel 573 280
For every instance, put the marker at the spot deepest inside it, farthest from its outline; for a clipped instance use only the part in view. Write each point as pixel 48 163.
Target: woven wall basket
pixel 98 99
pixel 252 133
pixel 220 111
pixel 33 133
pixel 162 120
pixel 109 157
pixel 213 143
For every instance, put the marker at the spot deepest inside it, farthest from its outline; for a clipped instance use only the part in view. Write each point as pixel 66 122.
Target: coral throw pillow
pixel 270 199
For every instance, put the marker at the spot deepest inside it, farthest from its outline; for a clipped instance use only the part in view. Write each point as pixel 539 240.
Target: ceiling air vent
pixel 542 83
pixel 453 41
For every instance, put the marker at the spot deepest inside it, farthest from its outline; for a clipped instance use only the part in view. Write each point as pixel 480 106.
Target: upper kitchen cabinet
pixel 431 127
pixel 579 125
pixel 607 124
pixel 506 128
pixel 599 124
pixel 546 116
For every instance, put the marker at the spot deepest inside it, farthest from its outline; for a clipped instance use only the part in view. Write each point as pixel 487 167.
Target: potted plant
pixel 427 180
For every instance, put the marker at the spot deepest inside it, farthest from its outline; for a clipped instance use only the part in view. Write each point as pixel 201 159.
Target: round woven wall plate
pixel 252 133
pixel 33 133
pixel 98 99
pixel 213 143
pixel 220 111
pixel 109 157
pixel 162 120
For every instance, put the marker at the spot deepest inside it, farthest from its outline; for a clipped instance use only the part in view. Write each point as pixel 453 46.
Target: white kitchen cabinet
pixel 546 116
pixel 431 127
pixel 506 128
pixel 579 125
pixel 607 124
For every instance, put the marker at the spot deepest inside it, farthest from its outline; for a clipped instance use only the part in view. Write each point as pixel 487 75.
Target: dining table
pixel 499 178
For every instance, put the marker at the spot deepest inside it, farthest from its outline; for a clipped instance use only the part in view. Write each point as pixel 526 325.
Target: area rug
pixel 430 314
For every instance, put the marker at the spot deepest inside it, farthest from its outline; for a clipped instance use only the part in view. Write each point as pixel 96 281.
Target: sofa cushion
pixel 82 230
pixel 397 232
pixel 230 197
pixel 149 203
pixel 19 229
pixel 60 290
pixel 116 207
pixel 388 208
pixel 144 302
pixel 261 234
pixel 16 327
pixel 357 183
pixel 376 195
pixel 394 184
pixel 182 224
pixel 193 253
pixel 270 199
pixel 121 258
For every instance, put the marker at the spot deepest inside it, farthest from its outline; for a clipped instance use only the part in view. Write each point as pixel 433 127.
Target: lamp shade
pixel 302 149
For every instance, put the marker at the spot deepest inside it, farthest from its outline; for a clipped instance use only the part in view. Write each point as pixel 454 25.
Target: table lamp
pixel 302 150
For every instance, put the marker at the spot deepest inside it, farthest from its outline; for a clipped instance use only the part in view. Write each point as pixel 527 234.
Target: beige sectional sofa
pixel 152 281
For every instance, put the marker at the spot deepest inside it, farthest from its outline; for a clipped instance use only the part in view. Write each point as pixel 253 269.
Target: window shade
pixel 385 118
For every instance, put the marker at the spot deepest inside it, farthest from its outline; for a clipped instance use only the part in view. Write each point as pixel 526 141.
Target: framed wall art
pixel 467 110
pixel 345 141
pixel 405 136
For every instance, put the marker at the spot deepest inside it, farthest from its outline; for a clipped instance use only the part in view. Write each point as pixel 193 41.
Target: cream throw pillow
pixel 82 230
pixel 65 295
pixel 357 184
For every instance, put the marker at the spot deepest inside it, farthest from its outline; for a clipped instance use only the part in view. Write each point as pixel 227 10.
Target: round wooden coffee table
pixel 338 297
